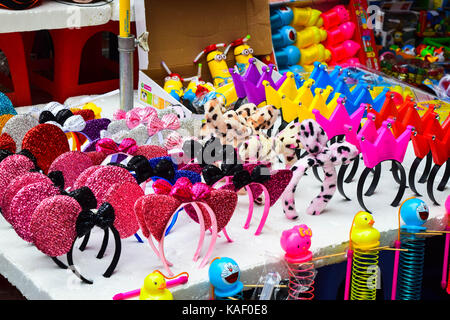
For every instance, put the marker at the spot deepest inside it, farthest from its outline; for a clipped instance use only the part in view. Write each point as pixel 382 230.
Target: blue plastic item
pixel 283 37
pixel 287 56
pixel 224 275
pixel 280 17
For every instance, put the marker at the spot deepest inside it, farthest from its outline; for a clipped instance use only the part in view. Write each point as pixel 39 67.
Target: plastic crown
pixel 251 84
pixel 336 124
pixel 382 145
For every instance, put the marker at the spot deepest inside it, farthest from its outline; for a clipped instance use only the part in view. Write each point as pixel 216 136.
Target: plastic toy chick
pixel 154 288
pixel 363 234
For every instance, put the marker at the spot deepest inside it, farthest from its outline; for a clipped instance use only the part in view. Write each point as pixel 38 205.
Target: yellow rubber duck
pixel 363 235
pixel 154 288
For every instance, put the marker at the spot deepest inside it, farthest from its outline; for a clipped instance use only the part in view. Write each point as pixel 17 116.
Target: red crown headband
pixel 214 209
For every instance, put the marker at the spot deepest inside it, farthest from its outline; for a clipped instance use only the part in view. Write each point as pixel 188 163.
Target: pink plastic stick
pixel 266 210
pixel 348 275
pixel 134 293
pixel 395 276
pixel 250 207
pixel 226 235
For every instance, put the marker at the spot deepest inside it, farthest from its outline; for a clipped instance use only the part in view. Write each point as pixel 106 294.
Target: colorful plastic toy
pixel 340 33
pixel 242 52
pixel 408 265
pixel 286 56
pixel 173 83
pixel 217 64
pixel 362 259
pixel 296 243
pixel 224 276
pixel 285 36
pixel 310 36
pixel 306 17
pixel 281 16
pixel 335 17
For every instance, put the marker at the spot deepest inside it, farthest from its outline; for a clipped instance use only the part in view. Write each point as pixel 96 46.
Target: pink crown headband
pixel 314 139
pixel 213 208
pixel 377 146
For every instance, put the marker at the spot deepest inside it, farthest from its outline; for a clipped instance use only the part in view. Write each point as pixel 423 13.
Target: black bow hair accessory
pixel 260 174
pixel 144 171
pixel 61 116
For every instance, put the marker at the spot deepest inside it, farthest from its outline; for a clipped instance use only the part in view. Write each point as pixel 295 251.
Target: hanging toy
pixel 408 265
pixel 173 83
pixel 242 52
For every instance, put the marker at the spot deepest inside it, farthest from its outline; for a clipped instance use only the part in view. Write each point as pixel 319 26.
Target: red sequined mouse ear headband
pixel 59 220
pixel 213 209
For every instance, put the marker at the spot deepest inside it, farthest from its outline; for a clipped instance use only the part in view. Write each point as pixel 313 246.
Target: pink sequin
pixel 96 157
pixel 104 177
pixel 122 196
pixel 17 184
pixel 12 167
pixel 53 225
pixel 25 202
pixel 150 151
pixel 81 180
pixel 71 164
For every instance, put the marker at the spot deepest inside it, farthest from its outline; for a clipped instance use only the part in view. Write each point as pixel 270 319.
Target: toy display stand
pixel 42 279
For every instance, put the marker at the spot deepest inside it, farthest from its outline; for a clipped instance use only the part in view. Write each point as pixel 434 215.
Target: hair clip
pixel 314 140
pixel 258 179
pixel 370 141
pixel 214 209
pixel 135 116
pixel 46 142
pixel 59 220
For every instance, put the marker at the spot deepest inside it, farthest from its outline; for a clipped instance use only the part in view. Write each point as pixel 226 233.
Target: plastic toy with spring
pixel 362 259
pixel 224 276
pixel 296 243
pixel 173 83
pixel 306 17
pixel 408 266
pixel 242 52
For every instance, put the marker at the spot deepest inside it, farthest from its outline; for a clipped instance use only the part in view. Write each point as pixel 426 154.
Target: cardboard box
pixel 179 30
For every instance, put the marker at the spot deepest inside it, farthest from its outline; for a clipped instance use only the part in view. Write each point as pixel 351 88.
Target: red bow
pixel 108 146
pixel 183 190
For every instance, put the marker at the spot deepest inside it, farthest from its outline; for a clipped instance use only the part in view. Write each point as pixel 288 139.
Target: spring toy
pixel 408 264
pixel 296 243
pixel 362 259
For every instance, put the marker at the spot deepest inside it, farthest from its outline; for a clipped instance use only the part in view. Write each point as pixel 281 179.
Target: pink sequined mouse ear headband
pixel 213 209
pixel 59 220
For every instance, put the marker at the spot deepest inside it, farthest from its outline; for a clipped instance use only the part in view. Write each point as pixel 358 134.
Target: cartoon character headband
pixel 213 208
pixel 314 139
pixel 58 115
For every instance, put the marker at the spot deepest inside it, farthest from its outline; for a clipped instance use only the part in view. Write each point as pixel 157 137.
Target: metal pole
pixel 127 46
